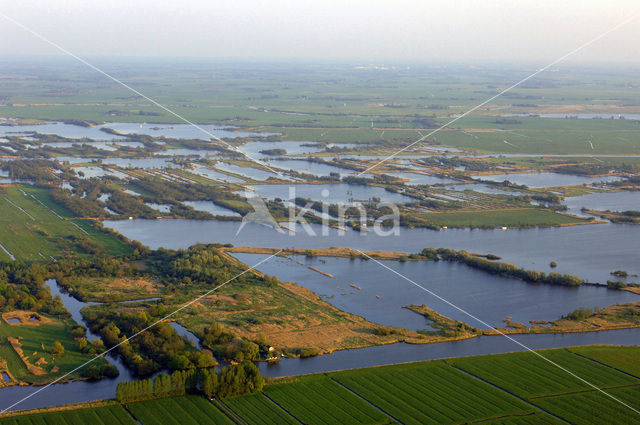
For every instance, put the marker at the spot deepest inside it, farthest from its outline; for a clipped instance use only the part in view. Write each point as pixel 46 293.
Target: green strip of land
pixel 515 217
pixel 515 388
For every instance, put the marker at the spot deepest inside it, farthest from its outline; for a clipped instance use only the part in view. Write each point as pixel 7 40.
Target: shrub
pixel 620 273
pixel 580 314
pixel 308 352
pixel 57 349
pixel 615 284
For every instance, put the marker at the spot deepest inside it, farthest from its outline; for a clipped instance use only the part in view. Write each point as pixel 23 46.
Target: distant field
pixel 533 135
pixel 33 228
pixel 507 389
pixel 342 103
pixel 516 217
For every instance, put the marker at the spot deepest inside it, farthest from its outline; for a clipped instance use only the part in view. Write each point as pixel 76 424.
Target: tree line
pixel 229 381
pixel 502 268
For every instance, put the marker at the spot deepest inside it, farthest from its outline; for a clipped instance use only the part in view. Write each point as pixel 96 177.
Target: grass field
pixel 516 217
pixel 33 228
pixel 33 338
pixel 508 389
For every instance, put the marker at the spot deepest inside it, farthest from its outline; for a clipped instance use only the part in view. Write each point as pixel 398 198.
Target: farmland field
pixel 593 407
pixel 319 400
pixel 258 409
pixel 186 410
pixel 430 393
pixel 530 419
pixel 109 415
pixel 528 375
pixel 621 358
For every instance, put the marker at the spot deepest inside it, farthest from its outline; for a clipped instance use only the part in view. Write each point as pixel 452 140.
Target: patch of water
pixel 164 208
pixel 418 179
pixel 383 294
pixel 546 179
pixel 330 193
pixel 211 207
pixel 308 167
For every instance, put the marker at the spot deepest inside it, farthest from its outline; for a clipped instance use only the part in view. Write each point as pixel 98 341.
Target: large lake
pixel 383 294
pixel 589 251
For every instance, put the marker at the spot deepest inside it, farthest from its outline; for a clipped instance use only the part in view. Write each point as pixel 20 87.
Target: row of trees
pixel 617 284
pixel 504 269
pixel 234 380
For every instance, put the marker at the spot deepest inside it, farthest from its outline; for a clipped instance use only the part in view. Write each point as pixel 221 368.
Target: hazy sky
pixel 367 30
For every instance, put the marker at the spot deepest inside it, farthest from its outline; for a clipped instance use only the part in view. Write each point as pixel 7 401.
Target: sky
pixel 369 31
